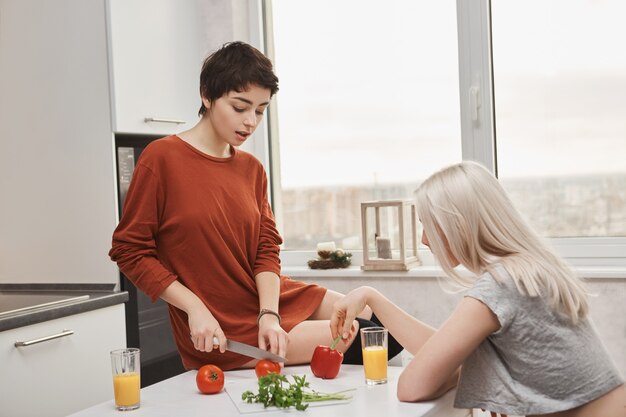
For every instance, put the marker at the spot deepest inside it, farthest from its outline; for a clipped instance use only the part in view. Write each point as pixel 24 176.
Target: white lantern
pixel 389 231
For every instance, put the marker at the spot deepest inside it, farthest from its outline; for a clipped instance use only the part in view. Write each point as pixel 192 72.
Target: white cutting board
pixel 234 389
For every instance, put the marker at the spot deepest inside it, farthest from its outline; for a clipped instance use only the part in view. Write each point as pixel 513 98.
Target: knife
pixel 249 350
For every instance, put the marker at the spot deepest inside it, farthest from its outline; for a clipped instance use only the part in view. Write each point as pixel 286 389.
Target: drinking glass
pixel 126 378
pixel 375 357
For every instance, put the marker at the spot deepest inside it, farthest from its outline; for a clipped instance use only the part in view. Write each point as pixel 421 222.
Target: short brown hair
pixel 234 67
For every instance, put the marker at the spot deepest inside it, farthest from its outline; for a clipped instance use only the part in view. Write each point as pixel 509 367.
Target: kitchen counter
pixel 179 396
pixel 25 304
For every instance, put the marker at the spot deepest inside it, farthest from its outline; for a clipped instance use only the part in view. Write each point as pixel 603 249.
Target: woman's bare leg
pixel 325 309
pixel 314 331
pixel 306 336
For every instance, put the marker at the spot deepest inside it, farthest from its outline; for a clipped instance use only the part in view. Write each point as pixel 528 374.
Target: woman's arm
pixel 134 247
pixel 408 331
pixel 270 333
pixel 266 272
pixel 436 366
pixel 202 325
pixel 438 354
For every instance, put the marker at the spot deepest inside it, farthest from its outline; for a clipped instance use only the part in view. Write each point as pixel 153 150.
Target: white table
pixel 179 396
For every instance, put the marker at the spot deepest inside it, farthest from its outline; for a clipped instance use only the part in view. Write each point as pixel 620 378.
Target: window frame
pixel 478 131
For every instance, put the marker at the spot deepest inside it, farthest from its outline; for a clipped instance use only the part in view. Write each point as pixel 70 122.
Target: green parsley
pixel 276 390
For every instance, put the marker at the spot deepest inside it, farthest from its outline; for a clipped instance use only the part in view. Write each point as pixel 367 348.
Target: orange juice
pixel 375 362
pixel 126 388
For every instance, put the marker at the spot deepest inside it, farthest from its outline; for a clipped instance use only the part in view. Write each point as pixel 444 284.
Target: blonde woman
pixel 520 342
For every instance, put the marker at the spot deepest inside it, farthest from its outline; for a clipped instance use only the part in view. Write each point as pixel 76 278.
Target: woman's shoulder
pixel 496 274
pixel 248 158
pixel 495 280
pixel 495 288
pixel 158 151
pixel 250 164
pixel 161 145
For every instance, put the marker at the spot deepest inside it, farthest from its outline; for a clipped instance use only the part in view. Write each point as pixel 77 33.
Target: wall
pixel 425 299
pixel 229 20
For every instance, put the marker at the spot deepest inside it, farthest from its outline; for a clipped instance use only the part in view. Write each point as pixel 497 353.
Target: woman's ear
pixel 206 102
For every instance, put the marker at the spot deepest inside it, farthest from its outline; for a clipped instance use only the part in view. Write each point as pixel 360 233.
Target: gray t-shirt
pixel 538 362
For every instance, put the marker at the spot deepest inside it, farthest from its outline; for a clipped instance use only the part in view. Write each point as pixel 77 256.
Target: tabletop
pixel 179 396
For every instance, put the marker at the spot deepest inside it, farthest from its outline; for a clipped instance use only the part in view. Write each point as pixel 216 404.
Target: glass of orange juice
pixel 126 380
pixel 375 357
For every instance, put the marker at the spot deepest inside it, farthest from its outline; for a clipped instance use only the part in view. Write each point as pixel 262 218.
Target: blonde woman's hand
pixel 272 337
pixel 345 311
pixel 203 328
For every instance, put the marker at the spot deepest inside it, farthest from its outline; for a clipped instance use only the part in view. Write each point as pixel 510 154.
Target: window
pixel 368 107
pixel 377 96
pixel 560 107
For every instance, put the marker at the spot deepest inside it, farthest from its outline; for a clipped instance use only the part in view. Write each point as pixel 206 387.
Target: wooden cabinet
pixel 62 375
pixel 156 52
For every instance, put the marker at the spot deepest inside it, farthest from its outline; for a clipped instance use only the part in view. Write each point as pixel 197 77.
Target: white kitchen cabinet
pixel 57 183
pixel 156 49
pixel 62 375
pixel 73 73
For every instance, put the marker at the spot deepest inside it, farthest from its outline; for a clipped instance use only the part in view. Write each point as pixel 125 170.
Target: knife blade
pixel 249 350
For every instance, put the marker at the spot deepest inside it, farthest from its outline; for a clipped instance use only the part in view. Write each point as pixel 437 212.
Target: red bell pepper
pixel 326 361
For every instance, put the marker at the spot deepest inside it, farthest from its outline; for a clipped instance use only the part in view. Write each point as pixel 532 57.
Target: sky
pixel 369 94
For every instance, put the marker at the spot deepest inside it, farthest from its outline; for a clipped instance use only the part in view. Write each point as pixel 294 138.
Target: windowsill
pixel 356 271
pixel 431 271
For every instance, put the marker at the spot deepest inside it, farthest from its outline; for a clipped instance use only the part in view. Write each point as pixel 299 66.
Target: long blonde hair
pixel 466 212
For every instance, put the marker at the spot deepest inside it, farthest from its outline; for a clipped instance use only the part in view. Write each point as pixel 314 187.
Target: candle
pixel 326 247
pixel 383 247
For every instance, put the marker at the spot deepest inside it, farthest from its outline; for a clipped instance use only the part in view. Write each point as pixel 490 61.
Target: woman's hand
pixel 345 311
pixel 203 327
pixel 272 336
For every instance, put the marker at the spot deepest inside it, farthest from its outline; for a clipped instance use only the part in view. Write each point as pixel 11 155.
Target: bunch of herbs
pixel 276 390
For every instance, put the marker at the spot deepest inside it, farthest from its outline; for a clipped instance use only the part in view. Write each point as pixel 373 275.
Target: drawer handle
pixel 44 339
pixel 157 119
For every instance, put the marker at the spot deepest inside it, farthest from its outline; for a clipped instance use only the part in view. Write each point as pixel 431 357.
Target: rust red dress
pixel 207 223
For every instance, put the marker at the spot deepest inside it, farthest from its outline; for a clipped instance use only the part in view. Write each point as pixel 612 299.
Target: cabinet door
pixel 63 375
pixel 57 210
pixel 156 48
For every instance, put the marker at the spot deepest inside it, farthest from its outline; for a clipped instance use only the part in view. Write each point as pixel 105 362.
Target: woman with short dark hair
pixel 197 229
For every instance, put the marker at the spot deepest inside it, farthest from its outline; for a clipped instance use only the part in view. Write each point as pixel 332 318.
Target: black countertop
pixel 26 304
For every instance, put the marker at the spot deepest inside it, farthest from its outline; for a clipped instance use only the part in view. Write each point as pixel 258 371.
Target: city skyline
pixel 556 207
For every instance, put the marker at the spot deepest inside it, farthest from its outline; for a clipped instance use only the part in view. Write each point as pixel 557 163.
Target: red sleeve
pixel 268 251
pixel 134 245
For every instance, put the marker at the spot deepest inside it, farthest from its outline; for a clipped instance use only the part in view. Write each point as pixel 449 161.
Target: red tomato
pixel 266 367
pixel 210 379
